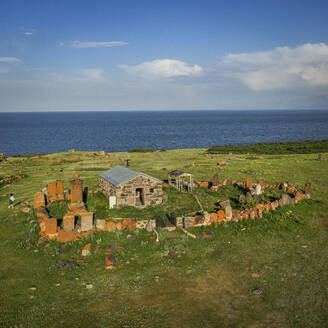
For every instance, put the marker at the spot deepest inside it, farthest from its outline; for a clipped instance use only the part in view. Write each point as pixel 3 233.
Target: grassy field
pixel 264 273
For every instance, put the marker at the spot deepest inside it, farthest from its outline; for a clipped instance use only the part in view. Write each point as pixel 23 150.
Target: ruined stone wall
pixel 107 188
pixel 126 193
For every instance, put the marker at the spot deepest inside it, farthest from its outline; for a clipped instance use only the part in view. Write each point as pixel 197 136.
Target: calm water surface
pixel 22 133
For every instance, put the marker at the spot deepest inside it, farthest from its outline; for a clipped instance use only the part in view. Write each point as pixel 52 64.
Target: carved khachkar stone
pixel 76 190
pixel 60 189
pixel 68 222
pixel 52 191
pixel 86 221
pixel 39 200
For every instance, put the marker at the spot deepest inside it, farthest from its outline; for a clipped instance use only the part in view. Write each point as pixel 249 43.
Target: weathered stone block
pixel 249 183
pixel 299 195
pixel 100 224
pixel 60 189
pixel 86 221
pixel 220 216
pixel 65 236
pixel 50 226
pixel 214 217
pixel 39 200
pixel 86 250
pixel 110 226
pixel 228 213
pixel 76 190
pixel 225 203
pixel 307 187
pixel 68 222
pixel 52 192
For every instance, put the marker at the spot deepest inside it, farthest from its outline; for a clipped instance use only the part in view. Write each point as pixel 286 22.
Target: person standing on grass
pixel 11 201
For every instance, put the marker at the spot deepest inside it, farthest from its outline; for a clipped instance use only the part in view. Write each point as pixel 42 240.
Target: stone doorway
pixel 140 196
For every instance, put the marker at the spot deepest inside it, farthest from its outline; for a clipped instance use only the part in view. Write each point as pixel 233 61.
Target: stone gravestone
pixel 149 226
pixel 225 203
pixel 76 190
pixel 249 183
pixel 60 189
pixel 258 189
pixel 249 197
pixel 307 187
pixel 52 191
pixel 86 221
pixel 186 223
pixel 68 222
pixel 242 199
pixel 228 212
pixel 285 200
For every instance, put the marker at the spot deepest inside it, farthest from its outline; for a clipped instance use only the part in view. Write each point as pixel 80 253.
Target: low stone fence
pixel 70 230
pixel 11 179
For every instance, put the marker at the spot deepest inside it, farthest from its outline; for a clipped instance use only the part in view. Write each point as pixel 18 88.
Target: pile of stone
pixel 117 224
pixel 11 179
pixel 49 228
pixel 226 213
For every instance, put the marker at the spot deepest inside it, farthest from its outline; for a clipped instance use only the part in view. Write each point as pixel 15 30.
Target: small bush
pixel 141 150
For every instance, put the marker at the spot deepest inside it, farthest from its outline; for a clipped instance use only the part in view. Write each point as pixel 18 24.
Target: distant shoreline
pixel 265 148
pixel 160 110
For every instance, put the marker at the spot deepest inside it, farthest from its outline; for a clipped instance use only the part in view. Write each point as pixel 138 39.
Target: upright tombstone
pixel 249 197
pixel 285 200
pixel 225 203
pixel 86 221
pixel 60 189
pixel 76 190
pixel 228 213
pixel 249 183
pixel 258 190
pixel 68 222
pixel 39 200
pixel 242 199
pixel 52 192
pixel 307 187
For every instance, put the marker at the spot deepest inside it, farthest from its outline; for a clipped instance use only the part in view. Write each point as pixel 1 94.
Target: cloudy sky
pixel 163 55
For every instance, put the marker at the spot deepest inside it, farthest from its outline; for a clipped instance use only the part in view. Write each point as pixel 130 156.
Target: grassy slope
pixel 208 284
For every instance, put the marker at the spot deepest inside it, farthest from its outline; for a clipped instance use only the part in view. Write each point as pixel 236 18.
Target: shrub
pixel 141 150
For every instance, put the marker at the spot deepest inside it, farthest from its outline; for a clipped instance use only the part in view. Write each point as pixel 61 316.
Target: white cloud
pixel 59 43
pixel 280 68
pixel 6 63
pixel 92 44
pixel 9 60
pixel 92 74
pixel 163 68
pixel 28 33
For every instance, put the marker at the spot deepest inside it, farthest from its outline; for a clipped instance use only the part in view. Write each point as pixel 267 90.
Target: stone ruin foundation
pixel 50 230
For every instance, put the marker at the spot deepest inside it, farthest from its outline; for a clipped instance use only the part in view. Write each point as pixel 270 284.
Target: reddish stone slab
pixel 60 189
pixel 50 226
pixel 76 190
pixel 68 222
pixel 52 191
pixel 86 221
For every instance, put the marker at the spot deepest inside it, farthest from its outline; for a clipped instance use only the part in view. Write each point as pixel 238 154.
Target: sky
pixel 68 55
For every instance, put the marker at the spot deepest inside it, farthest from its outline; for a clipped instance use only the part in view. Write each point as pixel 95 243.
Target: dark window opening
pixel 140 197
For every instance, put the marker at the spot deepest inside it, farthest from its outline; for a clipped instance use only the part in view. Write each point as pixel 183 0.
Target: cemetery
pixel 235 229
pixel 136 189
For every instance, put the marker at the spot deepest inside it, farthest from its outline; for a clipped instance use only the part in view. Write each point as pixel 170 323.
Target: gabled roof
pixel 177 173
pixel 120 174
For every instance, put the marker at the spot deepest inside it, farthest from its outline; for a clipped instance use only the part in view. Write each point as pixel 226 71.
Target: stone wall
pixel 126 194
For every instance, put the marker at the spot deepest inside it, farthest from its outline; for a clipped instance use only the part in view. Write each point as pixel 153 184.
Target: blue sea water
pixel 22 133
